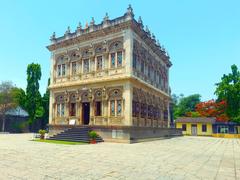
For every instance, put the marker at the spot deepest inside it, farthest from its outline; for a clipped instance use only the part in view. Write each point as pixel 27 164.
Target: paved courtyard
pixel 176 158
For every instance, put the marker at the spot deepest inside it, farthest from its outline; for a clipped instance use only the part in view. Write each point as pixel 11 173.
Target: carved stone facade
pixel 114 73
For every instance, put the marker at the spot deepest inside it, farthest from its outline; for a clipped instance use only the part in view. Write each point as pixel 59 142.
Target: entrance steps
pixel 75 134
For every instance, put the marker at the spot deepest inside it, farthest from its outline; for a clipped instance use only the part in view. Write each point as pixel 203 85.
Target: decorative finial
pixel 140 22
pixel 130 11
pixel 153 37
pixel 79 25
pixel 93 21
pixel 163 49
pixel 53 36
pixel 79 28
pixel 68 31
pixel 147 31
pixel 158 43
pixel 106 18
pixel 167 54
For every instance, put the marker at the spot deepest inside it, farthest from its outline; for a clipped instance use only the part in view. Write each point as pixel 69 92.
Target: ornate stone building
pixel 110 74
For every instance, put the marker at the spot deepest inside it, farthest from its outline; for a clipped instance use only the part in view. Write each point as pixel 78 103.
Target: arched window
pixel 74 58
pixel 98 102
pixel 73 106
pixel 99 61
pixel 116 54
pixel 86 53
pixel 135 104
pixel 60 106
pixel 61 66
pixel 115 101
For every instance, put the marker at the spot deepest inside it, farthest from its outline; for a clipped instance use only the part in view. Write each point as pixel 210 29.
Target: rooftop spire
pixel 147 31
pixel 92 22
pixel 53 37
pixel 140 22
pixel 106 18
pixel 68 31
pixel 129 12
pixel 79 25
pixel 153 37
pixel 130 9
pixel 79 28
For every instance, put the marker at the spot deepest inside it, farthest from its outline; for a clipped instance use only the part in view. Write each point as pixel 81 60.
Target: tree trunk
pixel 3 123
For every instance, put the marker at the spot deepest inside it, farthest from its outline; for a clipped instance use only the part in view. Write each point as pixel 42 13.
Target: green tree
pixel 33 97
pixel 7 101
pixel 186 104
pixel 45 103
pixel 20 97
pixel 229 90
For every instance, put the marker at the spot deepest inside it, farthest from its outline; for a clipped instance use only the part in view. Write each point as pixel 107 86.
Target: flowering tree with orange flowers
pixel 213 109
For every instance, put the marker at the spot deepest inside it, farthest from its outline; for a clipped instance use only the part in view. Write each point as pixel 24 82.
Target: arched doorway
pixel 85 109
pixel 86 112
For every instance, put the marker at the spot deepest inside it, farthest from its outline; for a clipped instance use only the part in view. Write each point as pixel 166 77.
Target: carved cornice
pixel 114 28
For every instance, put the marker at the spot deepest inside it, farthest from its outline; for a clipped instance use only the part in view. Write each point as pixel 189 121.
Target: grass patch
pixel 59 142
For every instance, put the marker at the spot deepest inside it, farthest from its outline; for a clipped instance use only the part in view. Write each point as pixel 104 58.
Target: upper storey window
pixel 119 58
pixel 86 65
pixel 112 60
pixel 142 66
pixel 61 70
pixel 60 106
pixel 116 103
pixel 61 67
pixel 74 68
pixel 116 54
pixel 99 63
pixel 134 61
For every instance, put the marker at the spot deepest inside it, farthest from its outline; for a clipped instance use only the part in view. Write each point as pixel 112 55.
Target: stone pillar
pixel 66 114
pixel 51 108
pixel 127 104
pixel 91 113
pixel 128 53
pixel 169 115
pixel 106 60
pixel 80 112
pixel 52 69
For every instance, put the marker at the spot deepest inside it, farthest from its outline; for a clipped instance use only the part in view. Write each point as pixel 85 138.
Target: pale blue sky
pixel 202 37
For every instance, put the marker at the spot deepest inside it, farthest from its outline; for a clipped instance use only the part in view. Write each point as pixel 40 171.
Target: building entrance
pixel 86 112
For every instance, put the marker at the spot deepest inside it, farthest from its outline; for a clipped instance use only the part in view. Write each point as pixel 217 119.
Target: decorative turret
pixel 86 25
pixel 140 22
pixel 129 12
pixel 158 43
pixel 106 18
pixel 79 28
pixel 53 37
pixel 92 22
pixel 147 31
pixel 68 31
pixel 153 37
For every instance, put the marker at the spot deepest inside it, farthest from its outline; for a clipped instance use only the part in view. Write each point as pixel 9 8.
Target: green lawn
pixel 59 142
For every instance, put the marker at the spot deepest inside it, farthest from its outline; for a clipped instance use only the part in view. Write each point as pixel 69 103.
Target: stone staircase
pixel 76 134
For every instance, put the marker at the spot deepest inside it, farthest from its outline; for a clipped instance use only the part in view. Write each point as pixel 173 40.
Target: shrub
pixel 42 133
pixel 92 134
